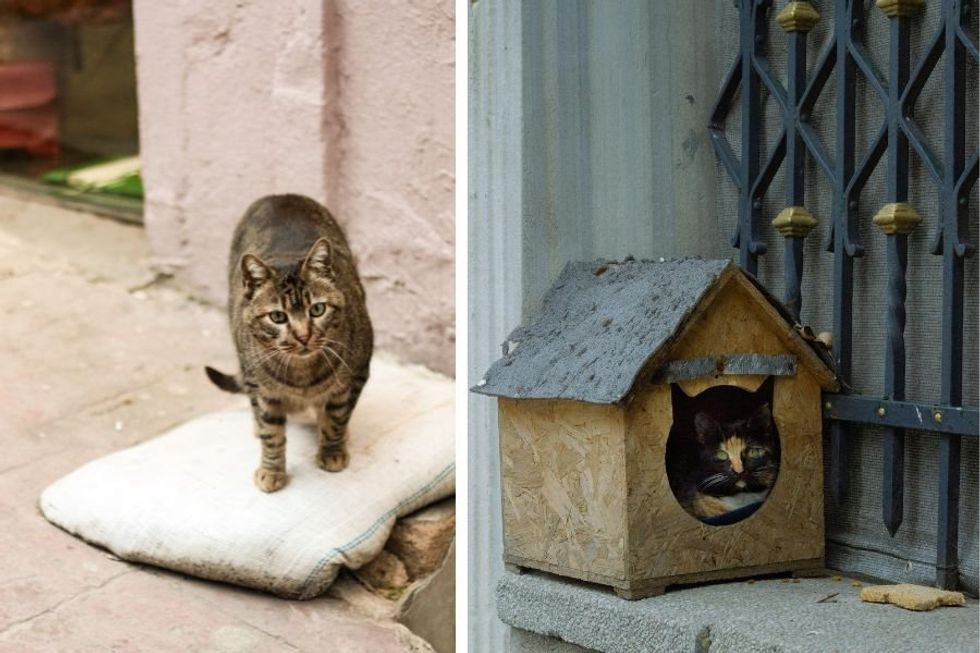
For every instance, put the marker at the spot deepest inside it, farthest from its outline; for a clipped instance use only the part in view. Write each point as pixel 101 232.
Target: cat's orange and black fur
pixel 736 467
pixel 723 452
pixel 300 325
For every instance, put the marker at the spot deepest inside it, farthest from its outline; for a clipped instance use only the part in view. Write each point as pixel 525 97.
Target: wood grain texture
pixel 654 587
pixel 747 382
pixel 563 474
pixel 665 541
pixel 585 488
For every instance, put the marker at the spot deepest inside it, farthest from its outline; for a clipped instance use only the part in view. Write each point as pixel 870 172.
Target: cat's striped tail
pixel 224 381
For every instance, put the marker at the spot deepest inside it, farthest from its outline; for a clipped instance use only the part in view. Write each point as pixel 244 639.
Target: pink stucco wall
pixel 348 102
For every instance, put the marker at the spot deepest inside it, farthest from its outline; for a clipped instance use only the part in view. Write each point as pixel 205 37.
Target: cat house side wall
pixel 665 541
pixel 563 477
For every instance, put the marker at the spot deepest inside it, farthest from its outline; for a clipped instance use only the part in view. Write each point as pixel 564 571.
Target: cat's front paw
pixel 333 461
pixel 269 480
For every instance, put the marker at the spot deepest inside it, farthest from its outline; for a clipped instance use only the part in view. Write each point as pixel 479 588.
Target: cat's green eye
pixel 755 452
pixel 278 317
pixel 318 309
pixel 721 455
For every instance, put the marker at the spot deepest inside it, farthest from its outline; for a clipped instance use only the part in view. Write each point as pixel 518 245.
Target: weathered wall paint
pixel 587 138
pixel 495 278
pixel 617 158
pixel 350 103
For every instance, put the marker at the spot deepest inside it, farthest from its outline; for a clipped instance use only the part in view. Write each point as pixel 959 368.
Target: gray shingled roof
pixel 599 324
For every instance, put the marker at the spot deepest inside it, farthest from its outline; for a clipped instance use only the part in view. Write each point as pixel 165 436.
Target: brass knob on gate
pixel 893 8
pixel 897 218
pixel 798 16
pixel 794 221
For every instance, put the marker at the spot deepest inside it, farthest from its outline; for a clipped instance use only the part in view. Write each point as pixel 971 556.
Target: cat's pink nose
pixel 302 337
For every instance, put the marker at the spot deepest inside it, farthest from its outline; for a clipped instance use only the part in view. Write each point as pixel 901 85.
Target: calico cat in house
pixel 730 463
pixel 301 328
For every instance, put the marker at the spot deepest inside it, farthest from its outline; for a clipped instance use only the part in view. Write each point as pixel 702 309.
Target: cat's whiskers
pixel 260 357
pixel 333 368
pixel 715 480
pixel 280 364
pixel 285 373
pixel 261 360
pixel 331 341
pixel 327 349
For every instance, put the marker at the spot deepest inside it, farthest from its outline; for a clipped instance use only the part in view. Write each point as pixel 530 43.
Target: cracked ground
pixel 98 353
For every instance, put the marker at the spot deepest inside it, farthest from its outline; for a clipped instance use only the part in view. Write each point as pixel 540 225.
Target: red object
pixel 28 115
pixel 71 11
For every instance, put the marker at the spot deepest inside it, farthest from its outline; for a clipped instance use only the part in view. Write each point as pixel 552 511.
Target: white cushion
pixel 186 501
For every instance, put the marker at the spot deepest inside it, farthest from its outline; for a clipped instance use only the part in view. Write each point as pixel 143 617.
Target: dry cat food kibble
pixel 911 597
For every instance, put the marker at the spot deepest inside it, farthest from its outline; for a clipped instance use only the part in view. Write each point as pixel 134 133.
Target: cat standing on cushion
pixel 736 465
pixel 300 325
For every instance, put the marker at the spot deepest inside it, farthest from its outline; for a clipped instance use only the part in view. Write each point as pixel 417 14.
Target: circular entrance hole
pixel 722 452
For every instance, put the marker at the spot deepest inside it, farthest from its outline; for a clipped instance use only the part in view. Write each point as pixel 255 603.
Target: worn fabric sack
pixel 186 501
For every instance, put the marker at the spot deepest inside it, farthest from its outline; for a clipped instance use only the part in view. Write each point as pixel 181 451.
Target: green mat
pixel 129 185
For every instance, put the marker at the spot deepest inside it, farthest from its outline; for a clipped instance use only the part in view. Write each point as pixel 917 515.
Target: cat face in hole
pixel 735 456
pixel 294 311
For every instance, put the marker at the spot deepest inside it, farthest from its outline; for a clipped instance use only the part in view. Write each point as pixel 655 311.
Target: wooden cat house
pixel 588 396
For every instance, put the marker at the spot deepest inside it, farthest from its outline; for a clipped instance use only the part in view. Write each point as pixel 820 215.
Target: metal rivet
pixel 938 417
pixel 964 200
pixel 881 411
pixel 852 204
pixel 757 203
pixel 827 405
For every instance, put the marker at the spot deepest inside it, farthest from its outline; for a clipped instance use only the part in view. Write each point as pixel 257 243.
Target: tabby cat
pixel 736 464
pixel 300 325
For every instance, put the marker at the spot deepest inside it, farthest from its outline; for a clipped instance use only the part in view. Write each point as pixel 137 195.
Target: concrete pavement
pixel 99 352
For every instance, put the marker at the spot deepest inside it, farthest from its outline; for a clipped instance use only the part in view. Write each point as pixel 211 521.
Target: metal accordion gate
pixel 899 143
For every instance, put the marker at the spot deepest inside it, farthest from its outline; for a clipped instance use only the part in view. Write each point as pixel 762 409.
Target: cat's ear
pixel 761 420
pixel 706 429
pixel 319 261
pixel 254 272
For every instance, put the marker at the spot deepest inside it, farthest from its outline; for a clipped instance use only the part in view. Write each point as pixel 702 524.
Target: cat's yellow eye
pixel 721 456
pixel 755 452
pixel 278 317
pixel 318 309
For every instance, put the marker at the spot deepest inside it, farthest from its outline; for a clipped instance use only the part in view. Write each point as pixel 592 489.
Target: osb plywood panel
pixel 733 323
pixel 664 540
pixel 563 474
pixel 728 320
pixel 748 382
